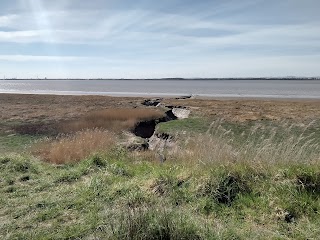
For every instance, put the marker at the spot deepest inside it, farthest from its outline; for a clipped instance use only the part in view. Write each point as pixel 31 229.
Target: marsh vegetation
pixel 221 179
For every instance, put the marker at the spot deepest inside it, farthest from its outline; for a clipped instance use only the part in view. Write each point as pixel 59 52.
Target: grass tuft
pixel 229 188
pixel 224 189
pixel 99 161
pixel 154 224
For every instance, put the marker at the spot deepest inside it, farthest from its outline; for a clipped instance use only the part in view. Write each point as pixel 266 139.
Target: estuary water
pixel 305 89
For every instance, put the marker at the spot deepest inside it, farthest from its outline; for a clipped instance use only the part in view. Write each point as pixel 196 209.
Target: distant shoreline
pixel 152 88
pixel 167 79
pixel 193 97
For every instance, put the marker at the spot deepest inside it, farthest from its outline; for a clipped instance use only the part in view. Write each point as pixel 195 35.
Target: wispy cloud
pixel 134 26
pixel 121 34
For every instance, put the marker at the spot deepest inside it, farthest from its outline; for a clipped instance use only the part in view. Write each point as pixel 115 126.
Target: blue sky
pixel 168 38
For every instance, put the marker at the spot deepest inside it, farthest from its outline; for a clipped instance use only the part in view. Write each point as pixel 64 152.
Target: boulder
pixel 160 141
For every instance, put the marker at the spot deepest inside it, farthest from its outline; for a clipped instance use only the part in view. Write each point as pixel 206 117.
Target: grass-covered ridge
pixel 217 184
pixel 117 196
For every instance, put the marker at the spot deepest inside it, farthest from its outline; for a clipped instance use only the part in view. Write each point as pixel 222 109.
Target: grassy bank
pixel 119 196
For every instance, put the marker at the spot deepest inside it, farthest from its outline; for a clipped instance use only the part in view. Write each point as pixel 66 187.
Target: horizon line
pixel 176 78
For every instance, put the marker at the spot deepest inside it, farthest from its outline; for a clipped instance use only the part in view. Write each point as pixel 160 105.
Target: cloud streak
pixel 118 33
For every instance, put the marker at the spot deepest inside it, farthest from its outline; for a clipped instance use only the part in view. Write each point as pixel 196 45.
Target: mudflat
pixel 23 108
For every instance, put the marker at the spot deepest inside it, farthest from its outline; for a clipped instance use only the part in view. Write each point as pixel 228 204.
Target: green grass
pixel 114 196
pixel 15 142
pixel 194 125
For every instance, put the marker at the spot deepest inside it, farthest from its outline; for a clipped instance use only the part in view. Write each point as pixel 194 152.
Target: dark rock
pixel 184 97
pixel 152 102
pixel 171 107
pixel 289 218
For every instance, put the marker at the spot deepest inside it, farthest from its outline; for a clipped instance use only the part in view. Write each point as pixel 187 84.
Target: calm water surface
pixel 201 88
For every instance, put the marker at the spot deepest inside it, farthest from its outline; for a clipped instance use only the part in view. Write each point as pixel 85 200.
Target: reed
pixel 278 145
pixel 76 147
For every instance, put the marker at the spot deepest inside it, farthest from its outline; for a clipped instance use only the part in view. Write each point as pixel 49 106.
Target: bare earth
pixel 20 108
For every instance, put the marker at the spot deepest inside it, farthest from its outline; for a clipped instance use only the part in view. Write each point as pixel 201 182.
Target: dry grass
pixel 34 108
pixel 204 149
pixel 276 146
pixel 94 132
pixel 115 120
pixel 243 110
pixel 112 119
pixel 76 147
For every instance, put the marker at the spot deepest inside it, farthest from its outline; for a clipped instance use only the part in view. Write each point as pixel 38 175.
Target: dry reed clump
pixel 203 149
pixel 73 148
pixel 112 119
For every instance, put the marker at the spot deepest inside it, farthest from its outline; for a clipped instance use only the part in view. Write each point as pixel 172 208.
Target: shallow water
pixel 203 88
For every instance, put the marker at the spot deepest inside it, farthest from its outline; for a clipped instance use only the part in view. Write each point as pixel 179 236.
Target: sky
pixel 159 39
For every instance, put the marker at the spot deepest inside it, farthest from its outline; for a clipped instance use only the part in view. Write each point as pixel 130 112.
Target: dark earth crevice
pixel 146 129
